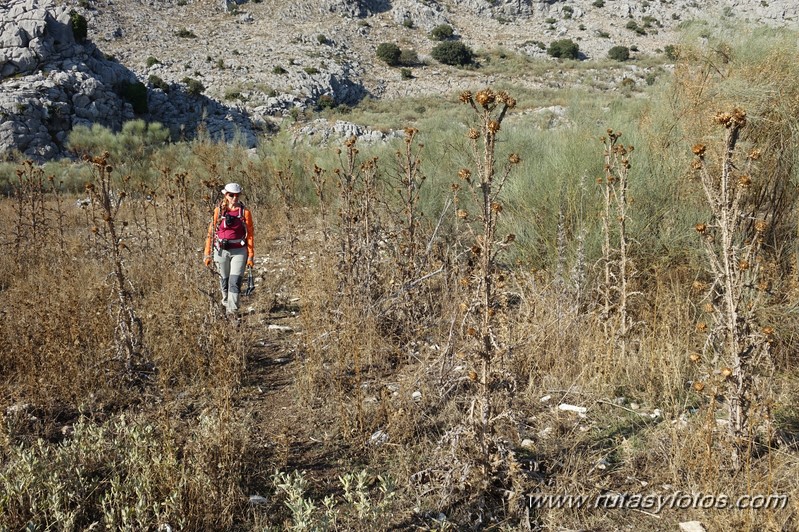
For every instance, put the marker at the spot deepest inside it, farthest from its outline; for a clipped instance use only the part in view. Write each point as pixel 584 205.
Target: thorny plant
pixel 618 269
pixel 489 467
pixel 737 289
pixel 108 238
pixel 35 221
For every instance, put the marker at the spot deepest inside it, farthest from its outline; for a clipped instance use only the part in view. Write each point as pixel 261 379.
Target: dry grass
pixel 382 339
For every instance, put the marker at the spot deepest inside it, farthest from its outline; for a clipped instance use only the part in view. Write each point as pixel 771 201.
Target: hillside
pixel 339 39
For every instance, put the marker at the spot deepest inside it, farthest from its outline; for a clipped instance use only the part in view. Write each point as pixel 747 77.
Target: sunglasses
pixel 232 194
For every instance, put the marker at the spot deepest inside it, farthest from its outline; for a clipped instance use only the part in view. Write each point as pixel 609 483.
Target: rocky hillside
pixel 240 67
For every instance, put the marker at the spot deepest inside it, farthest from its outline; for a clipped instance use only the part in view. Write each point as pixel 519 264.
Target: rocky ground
pixel 237 50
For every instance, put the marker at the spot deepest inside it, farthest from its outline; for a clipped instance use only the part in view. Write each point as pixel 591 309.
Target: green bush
pixel 619 53
pixel 152 61
pixel 389 53
pixel 279 70
pixel 442 33
pixel 671 51
pixel 311 70
pixel 408 57
pixel 321 39
pixel 453 53
pixel 193 86
pixel 405 73
pixel 184 33
pixel 564 49
pixel 135 93
pixel 158 83
pixel 326 101
pixel 599 3
pixel 79 26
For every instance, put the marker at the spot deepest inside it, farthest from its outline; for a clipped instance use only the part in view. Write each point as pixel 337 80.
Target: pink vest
pixel 235 230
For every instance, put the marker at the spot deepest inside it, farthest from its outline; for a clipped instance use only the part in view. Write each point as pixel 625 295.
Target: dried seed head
pixel 709 308
pixel 465 96
pixel 726 372
pixel 486 98
pixel 699 386
pixel 510 238
pixel 755 154
pixel 701 326
pixel 471 331
pixel 700 228
pixel 472 375
pixel 496 207
pixel 699 150
pixel 761 226
pixel 464 173
pixel 464 281
pixel 739 116
pixel 768 330
pixel 695 357
pixel 696 164
pixel 476 249
pixel 725 119
pixel 514 158
pixel 462 214
pixel 743 264
pixel 493 126
pixel 474 134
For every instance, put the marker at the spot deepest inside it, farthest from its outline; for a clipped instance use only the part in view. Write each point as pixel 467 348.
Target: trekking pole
pixel 250 282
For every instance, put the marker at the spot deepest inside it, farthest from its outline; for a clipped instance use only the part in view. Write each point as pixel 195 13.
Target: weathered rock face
pixel 51 83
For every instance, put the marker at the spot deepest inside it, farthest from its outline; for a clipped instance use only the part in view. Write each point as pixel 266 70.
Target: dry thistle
pixel 486 98
pixel 695 357
pixel 699 150
pixel 700 228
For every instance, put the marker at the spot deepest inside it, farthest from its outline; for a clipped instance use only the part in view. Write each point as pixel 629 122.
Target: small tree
pixel 389 53
pixel 564 49
pixel 442 33
pixel 619 53
pixel 79 26
pixel 453 53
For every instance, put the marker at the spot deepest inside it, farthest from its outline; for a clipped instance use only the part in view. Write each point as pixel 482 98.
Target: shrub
pixel 619 53
pixel 671 51
pixel 279 70
pixel 311 70
pixel 79 26
pixel 158 83
pixel 152 61
pixel 408 58
pixel 453 53
pixel 405 73
pixel 564 49
pixel 326 102
pixel 135 93
pixel 321 39
pixel 185 34
pixel 599 3
pixel 193 86
pixel 442 33
pixel 633 26
pixel 389 53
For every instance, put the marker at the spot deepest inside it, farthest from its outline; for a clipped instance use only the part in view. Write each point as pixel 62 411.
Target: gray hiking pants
pixel 231 264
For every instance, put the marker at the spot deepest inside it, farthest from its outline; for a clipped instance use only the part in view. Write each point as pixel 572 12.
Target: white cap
pixel 233 188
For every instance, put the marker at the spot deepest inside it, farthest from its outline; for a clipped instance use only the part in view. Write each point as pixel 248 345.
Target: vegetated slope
pixel 254 51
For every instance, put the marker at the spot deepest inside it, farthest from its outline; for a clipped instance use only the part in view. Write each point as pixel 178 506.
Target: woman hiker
pixel 230 237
